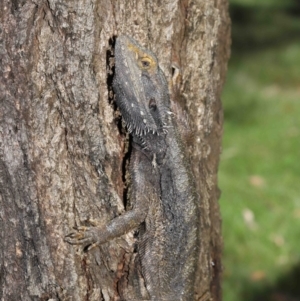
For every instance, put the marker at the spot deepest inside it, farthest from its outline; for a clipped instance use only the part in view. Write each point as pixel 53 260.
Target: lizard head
pixel 140 87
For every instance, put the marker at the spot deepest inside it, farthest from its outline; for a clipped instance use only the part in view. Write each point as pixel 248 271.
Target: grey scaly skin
pixel 162 191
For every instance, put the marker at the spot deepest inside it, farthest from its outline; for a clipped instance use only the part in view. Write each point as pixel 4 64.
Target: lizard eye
pixel 152 104
pixel 145 63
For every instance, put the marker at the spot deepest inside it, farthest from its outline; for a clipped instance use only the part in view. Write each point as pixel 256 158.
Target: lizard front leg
pixel 98 235
pixel 91 236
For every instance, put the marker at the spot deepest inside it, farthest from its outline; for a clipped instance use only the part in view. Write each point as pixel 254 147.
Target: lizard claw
pixel 95 244
pixel 80 229
pixel 81 236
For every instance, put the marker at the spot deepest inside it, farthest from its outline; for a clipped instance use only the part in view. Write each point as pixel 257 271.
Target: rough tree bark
pixel 63 152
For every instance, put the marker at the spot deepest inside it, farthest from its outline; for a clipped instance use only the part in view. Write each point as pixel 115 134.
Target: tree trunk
pixel 63 152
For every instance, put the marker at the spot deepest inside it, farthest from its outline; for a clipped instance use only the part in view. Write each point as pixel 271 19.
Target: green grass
pixel 260 174
pixel 263 3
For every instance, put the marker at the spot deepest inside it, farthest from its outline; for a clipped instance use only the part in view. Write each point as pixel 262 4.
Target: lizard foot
pixel 86 236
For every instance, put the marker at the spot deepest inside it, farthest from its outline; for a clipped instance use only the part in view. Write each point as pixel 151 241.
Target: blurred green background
pixel 260 166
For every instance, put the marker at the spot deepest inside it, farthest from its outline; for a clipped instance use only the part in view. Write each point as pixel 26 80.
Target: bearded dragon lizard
pixel 162 190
